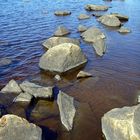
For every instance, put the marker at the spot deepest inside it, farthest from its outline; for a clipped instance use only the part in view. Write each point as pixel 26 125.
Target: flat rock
pixel 122 123
pixel 13 127
pixel 99 46
pixel 5 61
pixel 62 13
pixel 110 20
pixel 92 34
pixel 36 90
pixel 93 7
pixel 82 28
pixel 54 41
pixel 23 97
pixel 61 31
pixel 83 74
pixel 62 58
pixel 121 16
pixel 83 16
pixel 124 30
pixel 67 109
pixel 11 87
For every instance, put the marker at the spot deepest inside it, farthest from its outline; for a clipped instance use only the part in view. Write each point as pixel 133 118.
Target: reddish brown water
pixel 116 75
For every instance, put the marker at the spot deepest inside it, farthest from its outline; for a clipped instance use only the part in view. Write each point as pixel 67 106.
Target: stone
pixel 99 46
pixel 82 28
pixel 121 17
pixel 83 74
pixel 13 127
pixel 97 14
pixel 93 7
pixel 61 31
pixel 62 13
pixel 36 90
pixel 124 30
pixel 23 97
pixel 110 20
pixel 83 16
pixel 67 109
pixel 57 77
pixel 92 34
pixel 5 61
pixel 122 123
pixel 54 41
pixel 62 58
pixel 11 87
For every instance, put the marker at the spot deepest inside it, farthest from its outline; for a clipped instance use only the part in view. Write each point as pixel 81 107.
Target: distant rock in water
pixel 121 17
pixel 83 16
pixel 11 87
pixel 54 41
pixel 124 30
pixel 13 127
pixel 110 20
pixel 92 34
pixel 122 123
pixel 5 61
pixel 83 74
pixel 67 109
pixel 82 28
pixel 97 14
pixel 62 13
pixel 93 7
pixel 62 58
pixel 61 31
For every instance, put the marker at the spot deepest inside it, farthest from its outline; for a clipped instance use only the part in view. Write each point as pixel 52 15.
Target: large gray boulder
pixel 54 41
pixel 11 87
pixel 110 20
pixel 83 16
pixel 92 34
pixel 122 123
pixel 121 16
pixel 62 13
pixel 62 58
pixel 61 31
pixel 67 109
pixel 93 7
pixel 82 28
pixel 36 90
pixel 13 127
pixel 5 61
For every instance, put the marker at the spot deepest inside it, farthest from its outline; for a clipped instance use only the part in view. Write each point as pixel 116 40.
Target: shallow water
pixel 25 24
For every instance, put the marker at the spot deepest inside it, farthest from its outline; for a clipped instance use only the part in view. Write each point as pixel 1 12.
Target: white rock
pixel 124 30
pixel 83 74
pixel 93 7
pixel 83 16
pixel 57 77
pixel 61 31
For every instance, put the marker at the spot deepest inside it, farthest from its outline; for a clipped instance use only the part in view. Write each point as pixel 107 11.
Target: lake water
pixel 25 24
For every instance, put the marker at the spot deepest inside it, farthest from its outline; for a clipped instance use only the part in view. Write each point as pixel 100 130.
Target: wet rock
pixel 110 20
pixel 54 41
pixel 92 34
pixel 83 16
pixel 61 31
pixel 82 28
pixel 23 97
pixel 124 30
pixel 100 46
pixel 57 77
pixel 36 90
pixel 122 123
pixel 11 87
pixel 62 13
pixel 5 61
pixel 83 74
pixel 97 14
pixel 67 109
pixel 13 127
pixel 93 7
pixel 121 16
pixel 62 58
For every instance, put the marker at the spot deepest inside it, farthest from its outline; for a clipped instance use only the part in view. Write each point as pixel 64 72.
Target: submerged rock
pixel 124 30
pixel 62 13
pixel 93 7
pixel 13 127
pixel 121 16
pixel 122 123
pixel 92 34
pixel 83 16
pixel 83 74
pixel 5 61
pixel 110 20
pixel 67 109
pixel 11 87
pixel 62 58
pixel 36 90
pixel 82 28
pixel 61 31
pixel 54 41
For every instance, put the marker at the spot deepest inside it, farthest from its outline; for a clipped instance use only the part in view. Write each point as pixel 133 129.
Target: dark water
pixel 24 24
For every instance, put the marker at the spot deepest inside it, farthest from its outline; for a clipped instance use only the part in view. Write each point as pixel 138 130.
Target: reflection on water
pixel 116 76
